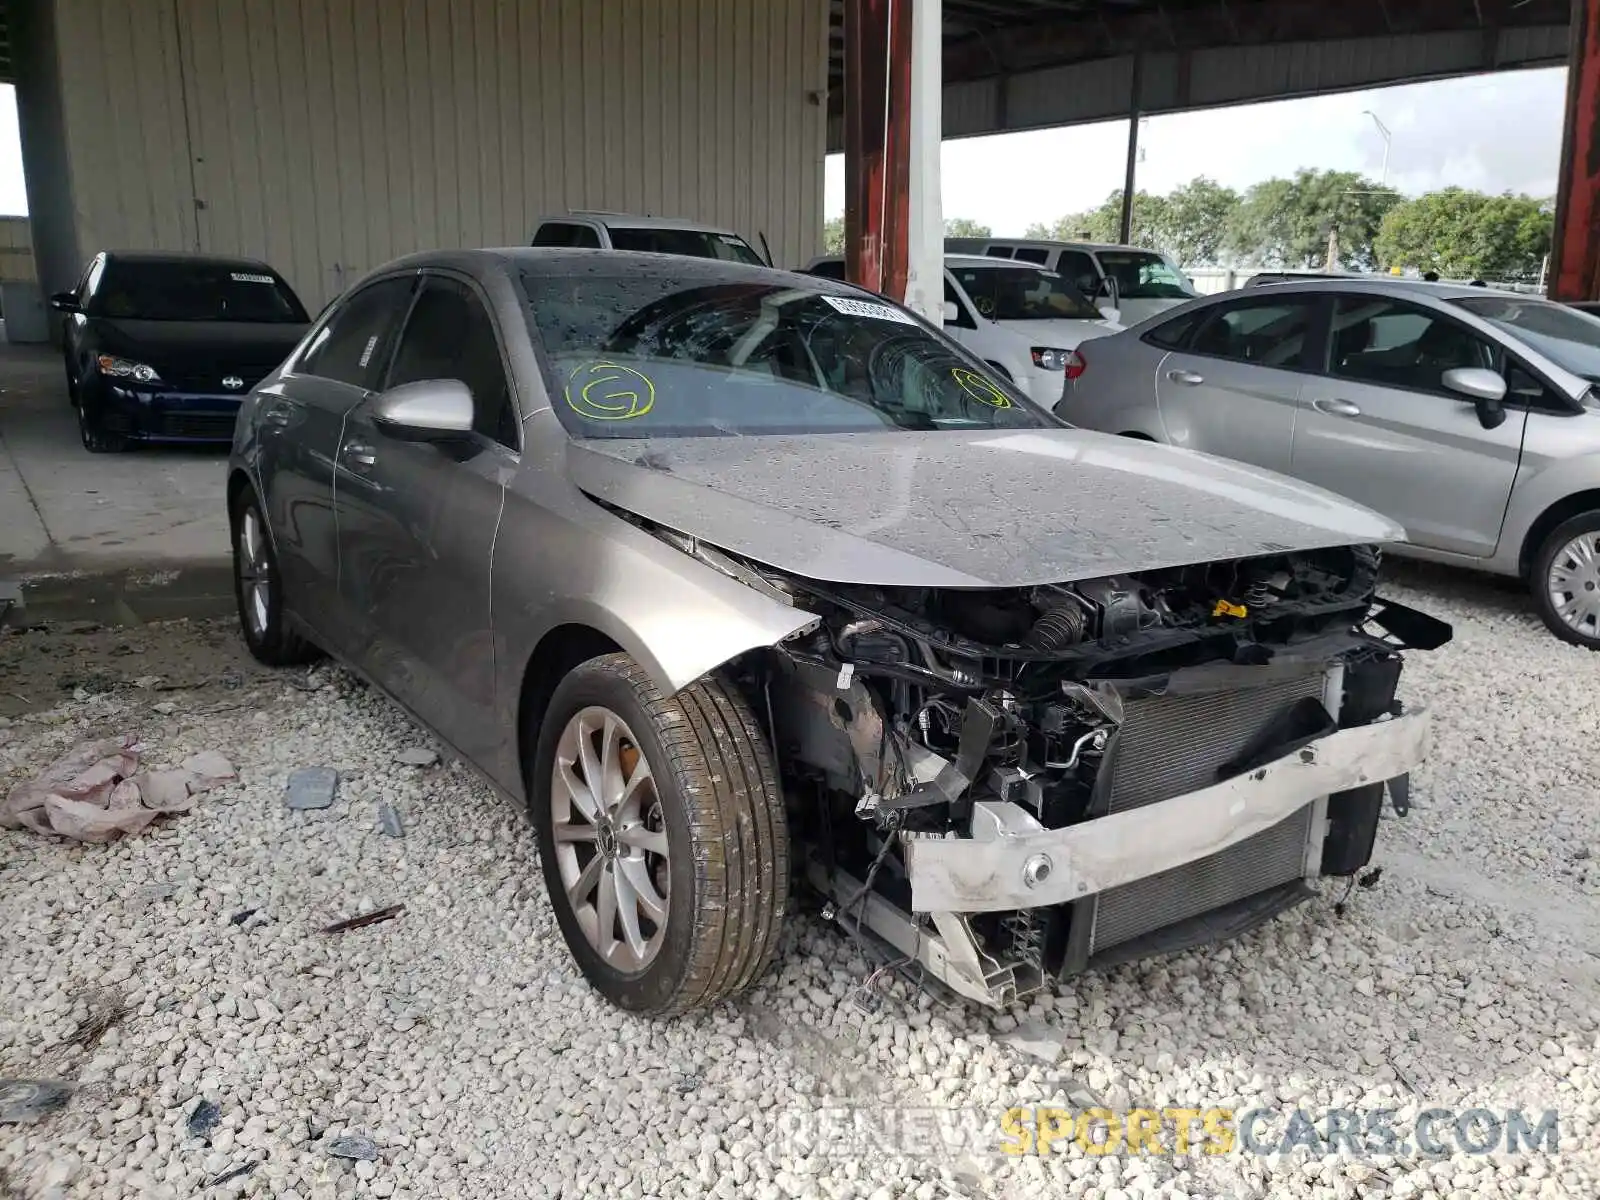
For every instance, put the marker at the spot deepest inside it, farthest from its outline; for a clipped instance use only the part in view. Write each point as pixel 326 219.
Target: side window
pixel 832 269
pixel 963 318
pixel 1268 335
pixel 998 251
pixel 1078 269
pixel 1173 334
pixel 353 344
pixel 1392 344
pixel 449 336
pixel 1033 254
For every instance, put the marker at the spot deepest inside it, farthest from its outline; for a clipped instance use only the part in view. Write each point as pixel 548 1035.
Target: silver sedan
pixel 1469 416
pixel 733 576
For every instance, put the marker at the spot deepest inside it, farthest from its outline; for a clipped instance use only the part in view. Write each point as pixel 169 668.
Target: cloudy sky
pixel 1495 133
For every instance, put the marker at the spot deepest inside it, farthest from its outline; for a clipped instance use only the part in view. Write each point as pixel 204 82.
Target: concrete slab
pixel 63 509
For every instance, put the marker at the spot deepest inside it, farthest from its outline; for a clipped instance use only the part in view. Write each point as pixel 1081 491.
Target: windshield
pixel 658 353
pixel 1566 337
pixel 1023 294
pixel 691 242
pixel 187 291
pixel 1144 275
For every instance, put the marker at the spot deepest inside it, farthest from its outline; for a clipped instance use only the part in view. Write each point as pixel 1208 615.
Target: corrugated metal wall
pixel 328 136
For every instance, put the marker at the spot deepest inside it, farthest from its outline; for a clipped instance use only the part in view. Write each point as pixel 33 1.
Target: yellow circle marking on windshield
pixel 979 388
pixel 608 391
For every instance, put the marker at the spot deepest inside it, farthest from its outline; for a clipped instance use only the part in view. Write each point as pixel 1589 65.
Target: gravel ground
pixel 461 1041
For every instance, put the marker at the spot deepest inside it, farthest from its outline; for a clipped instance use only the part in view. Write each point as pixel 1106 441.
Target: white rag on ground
pixel 95 791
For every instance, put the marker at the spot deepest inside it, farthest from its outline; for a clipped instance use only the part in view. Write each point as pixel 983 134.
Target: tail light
pixel 1076 363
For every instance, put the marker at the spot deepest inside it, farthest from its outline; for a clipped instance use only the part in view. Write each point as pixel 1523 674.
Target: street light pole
pixel 1387 142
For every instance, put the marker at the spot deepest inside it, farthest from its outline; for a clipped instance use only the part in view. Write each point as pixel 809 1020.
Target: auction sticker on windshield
pixel 866 308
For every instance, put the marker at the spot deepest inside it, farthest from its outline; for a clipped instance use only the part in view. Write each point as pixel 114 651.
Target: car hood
pixel 965 509
pixel 250 343
pixel 1063 335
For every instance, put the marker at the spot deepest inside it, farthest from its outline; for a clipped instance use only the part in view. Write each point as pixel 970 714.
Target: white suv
pixel 659 235
pixel 1129 283
pixel 1022 320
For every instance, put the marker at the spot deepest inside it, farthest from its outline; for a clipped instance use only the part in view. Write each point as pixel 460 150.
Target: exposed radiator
pixel 1170 745
pixel 1270 858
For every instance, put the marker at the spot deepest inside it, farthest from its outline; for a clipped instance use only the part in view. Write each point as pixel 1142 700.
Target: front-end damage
pixel 999 787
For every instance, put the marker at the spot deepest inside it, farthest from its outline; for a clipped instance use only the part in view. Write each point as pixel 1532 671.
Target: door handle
pixel 360 454
pixel 1336 408
pixel 1188 377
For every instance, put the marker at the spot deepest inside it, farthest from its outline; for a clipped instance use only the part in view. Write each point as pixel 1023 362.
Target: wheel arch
pixel 1562 510
pixel 554 656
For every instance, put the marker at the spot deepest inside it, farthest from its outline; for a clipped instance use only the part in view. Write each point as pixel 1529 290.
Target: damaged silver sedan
pixel 741 579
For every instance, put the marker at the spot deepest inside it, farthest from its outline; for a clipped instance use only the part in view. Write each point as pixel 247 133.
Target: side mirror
pixel 952 314
pixel 1485 388
pixel 1111 313
pixel 430 410
pixel 66 302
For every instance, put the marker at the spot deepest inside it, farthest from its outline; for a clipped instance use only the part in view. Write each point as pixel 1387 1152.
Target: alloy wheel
pixel 610 839
pixel 255 572
pixel 1574 584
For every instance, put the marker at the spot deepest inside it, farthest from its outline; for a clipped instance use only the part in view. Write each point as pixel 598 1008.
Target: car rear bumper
pixel 160 415
pixel 1016 864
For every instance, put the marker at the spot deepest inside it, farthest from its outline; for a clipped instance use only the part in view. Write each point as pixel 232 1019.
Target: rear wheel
pixel 258 589
pixel 1566 580
pixel 662 836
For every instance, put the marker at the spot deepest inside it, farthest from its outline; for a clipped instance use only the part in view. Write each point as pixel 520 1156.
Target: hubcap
pixel 610 839
pixel 1574 584
pixel 255 572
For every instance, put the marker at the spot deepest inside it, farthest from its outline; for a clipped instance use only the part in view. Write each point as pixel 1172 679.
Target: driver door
pixel 417 523
pixel 1380 427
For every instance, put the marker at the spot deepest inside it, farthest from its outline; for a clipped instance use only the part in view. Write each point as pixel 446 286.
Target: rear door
pixel 1233 389
pixel 417 523
pixel 1379 425
pixel 298 423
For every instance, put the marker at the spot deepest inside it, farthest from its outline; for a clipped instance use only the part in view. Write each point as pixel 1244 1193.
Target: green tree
pixel 1104 222
pixel 965 227
pixel 833 235
pixel 1288 222
pixel 1194 221
pixel 1468 235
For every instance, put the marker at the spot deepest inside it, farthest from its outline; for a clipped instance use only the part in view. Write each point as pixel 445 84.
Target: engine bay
pixel 975 714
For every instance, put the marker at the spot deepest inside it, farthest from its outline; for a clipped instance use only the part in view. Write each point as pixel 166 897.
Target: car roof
pixel 1388 284
pixel 989 260
pixel 558 260
pixel 956 260
pixel 139 257
pixel 616 220
pixel 1055 243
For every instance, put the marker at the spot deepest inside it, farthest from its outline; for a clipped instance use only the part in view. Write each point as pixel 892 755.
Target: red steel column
pixel 877 143
pixel 1575 254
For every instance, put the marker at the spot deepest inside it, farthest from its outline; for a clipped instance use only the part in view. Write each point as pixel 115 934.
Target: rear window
pixel 690 242
pixel 1023 294
pixel 1145 275
pixel 195 291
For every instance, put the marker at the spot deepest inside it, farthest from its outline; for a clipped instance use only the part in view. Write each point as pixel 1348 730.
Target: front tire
pixel 1566 580
pixel 95 438
pixel 671 887
pixel 258 589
